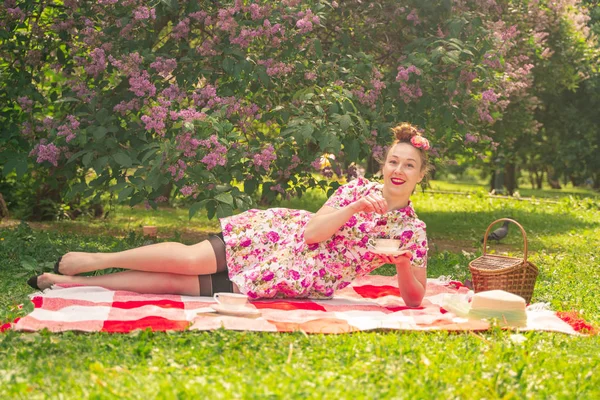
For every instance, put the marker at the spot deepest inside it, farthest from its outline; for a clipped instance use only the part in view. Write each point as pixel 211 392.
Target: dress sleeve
pixel 419 246
pixel 346 194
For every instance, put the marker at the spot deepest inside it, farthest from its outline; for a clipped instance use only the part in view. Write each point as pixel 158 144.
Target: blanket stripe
pixel 371 302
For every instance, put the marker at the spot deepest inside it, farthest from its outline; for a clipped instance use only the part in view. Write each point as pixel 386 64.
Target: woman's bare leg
pixel 171 257
pixel 135 281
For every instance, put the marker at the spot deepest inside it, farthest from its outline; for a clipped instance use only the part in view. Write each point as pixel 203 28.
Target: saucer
pixel 236 311
pixel 387 252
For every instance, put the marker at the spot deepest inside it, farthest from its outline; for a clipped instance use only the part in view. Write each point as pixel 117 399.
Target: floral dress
pixel 267 256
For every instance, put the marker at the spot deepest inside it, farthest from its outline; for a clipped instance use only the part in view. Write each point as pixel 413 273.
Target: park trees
pixel 143 101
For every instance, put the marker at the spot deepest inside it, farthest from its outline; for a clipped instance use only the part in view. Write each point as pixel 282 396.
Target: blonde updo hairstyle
pixel 403 133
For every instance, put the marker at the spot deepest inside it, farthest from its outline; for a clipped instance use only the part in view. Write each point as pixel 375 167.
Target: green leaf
pixel 318 48
pixel 264 78
pixel 172 5
pixel 102 115
pixel 148 154
pixel 99 164
pixel 196 207
pixel 222 188
pixel 224 210
pixel 240 204
pixel 18 164
pixel 77 155
pixel 87 159
pixel 305 132
pixel 345 122
pixel 68 100
pixel 136 180
pixel 226 198
pixel 335 145
pixel 249 186
pixel 125 193
pixel 137 198
pixel 228 64
pixel 211 209
pixel 353 150
pixel 99 132
pixel 122 159
pixel 363 124
pixel 288 131
pixel 79 188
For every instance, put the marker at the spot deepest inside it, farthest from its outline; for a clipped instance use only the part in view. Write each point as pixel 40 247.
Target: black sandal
pixel 56 264
pixel 33 282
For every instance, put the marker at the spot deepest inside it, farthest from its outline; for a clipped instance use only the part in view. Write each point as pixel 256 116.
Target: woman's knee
pixel 182 284
pixel 200 258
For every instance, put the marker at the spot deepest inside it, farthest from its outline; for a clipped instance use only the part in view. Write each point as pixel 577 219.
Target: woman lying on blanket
pixel 283 252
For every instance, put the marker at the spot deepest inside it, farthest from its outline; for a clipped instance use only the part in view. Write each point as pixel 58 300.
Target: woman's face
pixel 402 169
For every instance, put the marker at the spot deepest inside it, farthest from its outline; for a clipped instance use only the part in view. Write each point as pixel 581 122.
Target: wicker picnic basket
pixel 514 275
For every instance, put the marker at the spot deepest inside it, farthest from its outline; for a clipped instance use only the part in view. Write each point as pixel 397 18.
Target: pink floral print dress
pixel 267 256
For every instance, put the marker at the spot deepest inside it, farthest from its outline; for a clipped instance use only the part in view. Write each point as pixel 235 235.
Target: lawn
pixel 563 236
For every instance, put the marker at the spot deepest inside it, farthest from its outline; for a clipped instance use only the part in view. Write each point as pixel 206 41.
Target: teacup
pixel 385 244
pixel 231 299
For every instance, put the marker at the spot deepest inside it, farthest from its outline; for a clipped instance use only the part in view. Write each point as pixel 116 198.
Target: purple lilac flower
pixel 98 63
pixel 164 66
pixel 470 138
pixel 141 84
pixel 489 96
pixel 264 158
pixel 156 119
pixel 188 189
pixel 46 152
pixel 26 103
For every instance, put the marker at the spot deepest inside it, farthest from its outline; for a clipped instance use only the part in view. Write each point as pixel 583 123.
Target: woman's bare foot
pixel 75 262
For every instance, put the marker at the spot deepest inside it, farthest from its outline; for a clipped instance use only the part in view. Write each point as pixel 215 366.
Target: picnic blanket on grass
pixel 371 302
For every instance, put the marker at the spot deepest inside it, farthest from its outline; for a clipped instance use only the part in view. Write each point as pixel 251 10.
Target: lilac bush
pixel 201 95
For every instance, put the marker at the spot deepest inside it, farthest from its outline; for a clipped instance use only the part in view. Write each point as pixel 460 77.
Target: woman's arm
pixel 412 281
pixel 329 220
pixel 326 222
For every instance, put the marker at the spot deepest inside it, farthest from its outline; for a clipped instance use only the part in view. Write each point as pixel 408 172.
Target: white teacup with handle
pixel 231 300
pixel 385 244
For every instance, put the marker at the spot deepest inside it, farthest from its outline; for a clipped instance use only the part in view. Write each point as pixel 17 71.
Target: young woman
pixel 282 252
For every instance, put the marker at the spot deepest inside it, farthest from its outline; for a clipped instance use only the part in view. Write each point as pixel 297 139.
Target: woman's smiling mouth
pixel 397 181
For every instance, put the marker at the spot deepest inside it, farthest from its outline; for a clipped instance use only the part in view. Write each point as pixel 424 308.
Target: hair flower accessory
pixel 420 142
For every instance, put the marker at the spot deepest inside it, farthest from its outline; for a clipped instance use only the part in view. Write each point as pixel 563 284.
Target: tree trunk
pixel 539 177
pixel 532 176
pixel 492 181
pixel 3 209
pixel 432 174
pixel 552 179
pixel 167 191
pixel 510 178
pixel 577 181
pixel 373 166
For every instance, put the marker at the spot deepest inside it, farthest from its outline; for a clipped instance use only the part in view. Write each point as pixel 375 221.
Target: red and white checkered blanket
pixel 371 302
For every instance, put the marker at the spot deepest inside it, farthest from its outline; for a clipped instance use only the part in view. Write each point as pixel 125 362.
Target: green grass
pixel 523 191
pixel 563 240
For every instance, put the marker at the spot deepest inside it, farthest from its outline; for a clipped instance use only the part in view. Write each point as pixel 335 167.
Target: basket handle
pixel 487 232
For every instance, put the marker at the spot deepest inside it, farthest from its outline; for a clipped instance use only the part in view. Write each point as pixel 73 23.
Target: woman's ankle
pixel 74 263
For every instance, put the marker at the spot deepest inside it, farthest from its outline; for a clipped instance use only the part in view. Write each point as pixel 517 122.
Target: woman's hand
pixel 403 258
pixel 372 204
